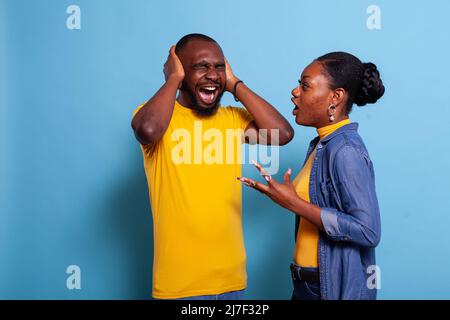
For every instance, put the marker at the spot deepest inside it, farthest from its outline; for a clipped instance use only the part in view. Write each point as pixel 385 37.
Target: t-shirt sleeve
pixel 242 116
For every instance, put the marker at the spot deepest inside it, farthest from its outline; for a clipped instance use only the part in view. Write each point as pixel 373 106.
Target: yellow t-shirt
pixel 307 242
pixel 196 204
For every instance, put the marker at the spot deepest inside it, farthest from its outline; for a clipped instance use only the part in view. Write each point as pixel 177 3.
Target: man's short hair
pixel 192 36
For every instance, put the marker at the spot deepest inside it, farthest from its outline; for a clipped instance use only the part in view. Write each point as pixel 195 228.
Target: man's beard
pixel 200 111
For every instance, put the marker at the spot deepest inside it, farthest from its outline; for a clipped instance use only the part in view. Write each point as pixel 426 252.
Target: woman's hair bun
pixel 372 87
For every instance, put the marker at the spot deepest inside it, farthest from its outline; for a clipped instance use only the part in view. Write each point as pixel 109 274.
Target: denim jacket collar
pixel 348 127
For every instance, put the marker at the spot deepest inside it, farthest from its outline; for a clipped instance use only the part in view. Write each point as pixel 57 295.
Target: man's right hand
pixel 173 69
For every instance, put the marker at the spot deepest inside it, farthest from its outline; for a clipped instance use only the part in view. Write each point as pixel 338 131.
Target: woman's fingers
pixel 254 184
pixel 263 172
pixel 258 166
pixel 287 176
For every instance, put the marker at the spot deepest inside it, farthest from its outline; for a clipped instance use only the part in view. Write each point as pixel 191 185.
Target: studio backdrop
pixel 73 194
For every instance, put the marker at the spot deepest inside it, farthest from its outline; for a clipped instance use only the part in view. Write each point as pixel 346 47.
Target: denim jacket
pixel 342 184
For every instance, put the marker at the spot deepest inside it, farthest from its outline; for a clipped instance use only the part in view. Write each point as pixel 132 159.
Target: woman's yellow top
pixel 306 245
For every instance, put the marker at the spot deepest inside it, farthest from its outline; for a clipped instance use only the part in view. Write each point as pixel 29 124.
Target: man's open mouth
pixel 208 94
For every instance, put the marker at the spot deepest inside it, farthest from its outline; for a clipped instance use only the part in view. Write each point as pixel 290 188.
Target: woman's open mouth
pixel 295 110
pixel 208 94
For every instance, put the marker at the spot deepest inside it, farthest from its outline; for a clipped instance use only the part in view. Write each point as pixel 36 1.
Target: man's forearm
pixel 265 115
pixel 152 120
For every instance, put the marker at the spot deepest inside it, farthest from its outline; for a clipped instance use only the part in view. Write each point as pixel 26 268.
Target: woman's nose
pixel 295 92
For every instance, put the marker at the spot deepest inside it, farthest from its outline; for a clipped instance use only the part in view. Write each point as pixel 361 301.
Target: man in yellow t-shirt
pixel 191 148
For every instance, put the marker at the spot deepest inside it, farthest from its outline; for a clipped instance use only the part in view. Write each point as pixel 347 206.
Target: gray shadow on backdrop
pixel 130 219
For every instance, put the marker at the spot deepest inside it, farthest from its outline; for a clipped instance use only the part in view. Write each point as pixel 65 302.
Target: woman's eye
pixel 302 85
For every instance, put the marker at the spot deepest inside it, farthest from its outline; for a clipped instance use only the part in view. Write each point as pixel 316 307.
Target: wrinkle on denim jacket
pixel 342 184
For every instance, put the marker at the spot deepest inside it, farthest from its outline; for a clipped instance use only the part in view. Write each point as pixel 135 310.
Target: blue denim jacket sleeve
pixel 355 182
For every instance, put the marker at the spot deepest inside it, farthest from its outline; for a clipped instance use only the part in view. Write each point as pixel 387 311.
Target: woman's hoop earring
pixel 331 111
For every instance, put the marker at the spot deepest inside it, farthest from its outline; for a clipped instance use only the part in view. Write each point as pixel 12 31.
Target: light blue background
pixel 72 184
